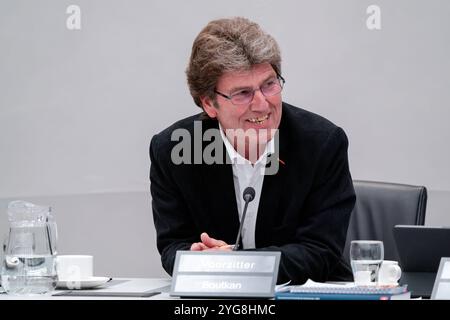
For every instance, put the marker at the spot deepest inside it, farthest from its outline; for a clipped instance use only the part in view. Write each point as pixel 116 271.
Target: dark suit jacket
pixel 303 212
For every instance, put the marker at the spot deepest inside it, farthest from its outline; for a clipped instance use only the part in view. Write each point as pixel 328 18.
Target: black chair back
pixel 379 207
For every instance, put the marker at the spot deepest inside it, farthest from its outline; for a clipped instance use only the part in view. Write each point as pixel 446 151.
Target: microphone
pixel 248 195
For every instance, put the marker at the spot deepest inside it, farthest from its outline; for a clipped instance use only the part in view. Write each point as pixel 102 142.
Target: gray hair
pixel 226 45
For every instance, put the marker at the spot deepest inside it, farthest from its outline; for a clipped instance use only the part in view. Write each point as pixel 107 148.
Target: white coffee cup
pixel 362 278
pixel 74 267
pixel 389 273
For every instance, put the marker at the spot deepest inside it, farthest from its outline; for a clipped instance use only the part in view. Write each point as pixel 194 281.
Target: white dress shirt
pixel 245 174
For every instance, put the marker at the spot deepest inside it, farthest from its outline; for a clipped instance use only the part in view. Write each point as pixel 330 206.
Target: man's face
pixel 260 113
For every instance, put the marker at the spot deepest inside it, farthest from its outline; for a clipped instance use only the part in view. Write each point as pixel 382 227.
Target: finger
pixel 198 246
pixel 228 247
pixel 222 248
pixel 211 242
pixel 195 247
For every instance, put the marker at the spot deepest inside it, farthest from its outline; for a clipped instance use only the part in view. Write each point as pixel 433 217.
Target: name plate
pixel 441 287
pixel 225 274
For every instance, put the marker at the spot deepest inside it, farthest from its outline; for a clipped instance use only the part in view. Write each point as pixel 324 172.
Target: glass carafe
pixel 29 259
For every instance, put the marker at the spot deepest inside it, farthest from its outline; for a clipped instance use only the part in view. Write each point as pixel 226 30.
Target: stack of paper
pixel 348 291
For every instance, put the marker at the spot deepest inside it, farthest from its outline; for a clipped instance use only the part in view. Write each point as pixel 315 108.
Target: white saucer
pixel 91 282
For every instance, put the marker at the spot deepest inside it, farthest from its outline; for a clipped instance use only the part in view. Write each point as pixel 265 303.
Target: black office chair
pixel 379 207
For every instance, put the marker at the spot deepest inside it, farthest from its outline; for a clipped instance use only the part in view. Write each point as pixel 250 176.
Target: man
pixel 302 208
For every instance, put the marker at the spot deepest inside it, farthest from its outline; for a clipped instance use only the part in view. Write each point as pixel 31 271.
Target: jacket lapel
pixel 272 189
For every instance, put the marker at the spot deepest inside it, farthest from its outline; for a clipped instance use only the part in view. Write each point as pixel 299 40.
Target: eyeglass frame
pixel 229 97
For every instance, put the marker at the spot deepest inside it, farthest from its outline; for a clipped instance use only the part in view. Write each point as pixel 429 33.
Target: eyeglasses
pixel 269 88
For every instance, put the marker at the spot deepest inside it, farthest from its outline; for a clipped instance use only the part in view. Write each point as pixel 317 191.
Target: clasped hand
pixel 210 244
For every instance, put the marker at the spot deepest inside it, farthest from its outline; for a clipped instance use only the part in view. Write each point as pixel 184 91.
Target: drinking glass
pixel 366 257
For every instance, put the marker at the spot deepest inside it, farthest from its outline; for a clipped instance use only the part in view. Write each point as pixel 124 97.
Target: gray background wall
pixel 78 108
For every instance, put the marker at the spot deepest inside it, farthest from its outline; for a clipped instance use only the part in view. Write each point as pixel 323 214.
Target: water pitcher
pixel 28 265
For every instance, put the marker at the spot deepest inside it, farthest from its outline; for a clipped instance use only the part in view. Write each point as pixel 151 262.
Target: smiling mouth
pixel 258 120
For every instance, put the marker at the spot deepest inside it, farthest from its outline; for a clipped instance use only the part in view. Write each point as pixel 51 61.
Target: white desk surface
pixel 126 285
